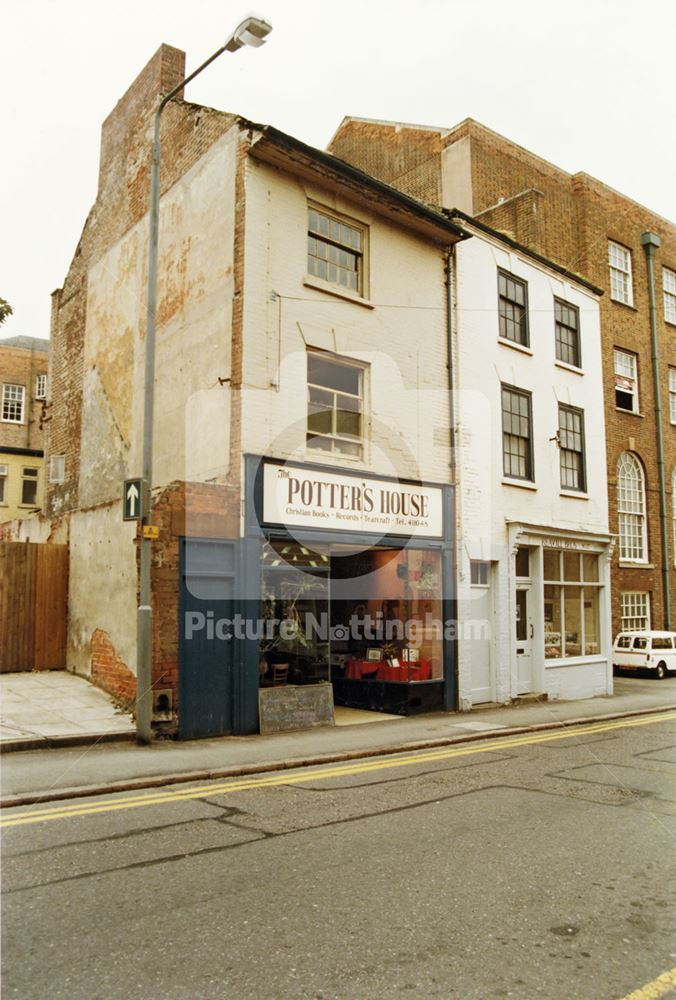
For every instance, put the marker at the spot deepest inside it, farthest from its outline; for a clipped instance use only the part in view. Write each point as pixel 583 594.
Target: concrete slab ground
pixel 39 707
pixel 63 771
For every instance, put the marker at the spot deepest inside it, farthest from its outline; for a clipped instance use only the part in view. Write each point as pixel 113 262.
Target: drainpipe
pixel 449 355
pixel 449 271
pixel 650 242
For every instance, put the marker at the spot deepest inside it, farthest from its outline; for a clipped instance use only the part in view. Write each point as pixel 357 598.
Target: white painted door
pixel 481 644
pixel 523 635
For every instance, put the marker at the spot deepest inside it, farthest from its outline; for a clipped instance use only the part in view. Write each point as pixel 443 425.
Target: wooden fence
pixel 33 606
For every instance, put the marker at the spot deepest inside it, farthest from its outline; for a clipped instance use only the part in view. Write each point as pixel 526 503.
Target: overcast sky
pixel 587 84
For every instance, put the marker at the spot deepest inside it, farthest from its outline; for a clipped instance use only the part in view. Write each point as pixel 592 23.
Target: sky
pixel 586 84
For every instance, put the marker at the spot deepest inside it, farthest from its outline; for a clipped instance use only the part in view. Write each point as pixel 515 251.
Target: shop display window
pixel 337 612
pixel 571 604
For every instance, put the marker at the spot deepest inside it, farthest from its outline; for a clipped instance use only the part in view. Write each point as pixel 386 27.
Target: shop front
pixel 355 581
pixel 560 606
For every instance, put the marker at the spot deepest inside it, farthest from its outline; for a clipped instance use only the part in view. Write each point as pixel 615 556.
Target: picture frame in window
pixel 374 654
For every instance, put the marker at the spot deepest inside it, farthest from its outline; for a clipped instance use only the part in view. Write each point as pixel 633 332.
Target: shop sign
pixel 311 498
pixel 569 543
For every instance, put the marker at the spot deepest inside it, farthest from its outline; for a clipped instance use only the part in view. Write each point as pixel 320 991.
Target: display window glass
pixel 571 604
pixel 333 611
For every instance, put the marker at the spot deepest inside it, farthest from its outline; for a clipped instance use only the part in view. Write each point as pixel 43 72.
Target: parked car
pixel 653 651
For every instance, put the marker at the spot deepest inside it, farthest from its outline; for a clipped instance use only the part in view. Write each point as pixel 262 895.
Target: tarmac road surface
pixel 524 866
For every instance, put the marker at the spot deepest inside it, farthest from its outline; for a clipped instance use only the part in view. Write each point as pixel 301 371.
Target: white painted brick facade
pixel 485 504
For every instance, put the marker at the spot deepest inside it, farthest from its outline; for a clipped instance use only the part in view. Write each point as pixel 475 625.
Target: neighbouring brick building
pixel 596 232
pixel 23 389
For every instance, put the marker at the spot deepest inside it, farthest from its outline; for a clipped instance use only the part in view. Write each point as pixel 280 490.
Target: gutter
pixel 289 144
pixel 650 242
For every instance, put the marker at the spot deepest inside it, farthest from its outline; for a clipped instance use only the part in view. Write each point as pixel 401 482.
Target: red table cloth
pixel 420 671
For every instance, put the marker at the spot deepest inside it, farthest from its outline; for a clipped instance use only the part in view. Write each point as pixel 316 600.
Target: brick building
pixel 594 231
pixel 23 388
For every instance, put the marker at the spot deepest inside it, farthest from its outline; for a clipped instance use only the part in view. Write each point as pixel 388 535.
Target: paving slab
pixel 54 705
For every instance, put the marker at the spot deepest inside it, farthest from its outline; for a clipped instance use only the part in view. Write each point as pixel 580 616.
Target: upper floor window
pixel 513 308
pixel 335 250
pixel 41 387
pixel 567 325
pixel 3 483
pixel 335 405
pixel 517 439
pixel 631 509
pixel 29 487
pixel 619 262
pixel 672 395
pixel 669 289
pixel 571 445
pixel 626 381
pixel 13 403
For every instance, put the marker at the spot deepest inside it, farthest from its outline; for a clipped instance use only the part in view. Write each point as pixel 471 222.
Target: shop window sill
pixel 514 346
pixel 576 661
pixel 636 565
pixel 522 484
pixel 342 293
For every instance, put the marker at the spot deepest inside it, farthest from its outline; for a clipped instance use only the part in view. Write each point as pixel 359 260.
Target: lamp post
pixel 253 32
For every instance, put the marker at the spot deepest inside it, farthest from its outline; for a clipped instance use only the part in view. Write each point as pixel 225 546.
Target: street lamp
pixel 252 32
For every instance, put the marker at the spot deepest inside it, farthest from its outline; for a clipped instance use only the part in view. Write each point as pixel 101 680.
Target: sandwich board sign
pixel 132 499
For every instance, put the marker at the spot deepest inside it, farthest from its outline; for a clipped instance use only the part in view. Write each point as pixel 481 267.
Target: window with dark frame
pixel 335 405
pixel 29 487
pixel 517 450
pixel 567 327
pixel 3 479
pixel 335 250
pixel 571 449
pixel 513 308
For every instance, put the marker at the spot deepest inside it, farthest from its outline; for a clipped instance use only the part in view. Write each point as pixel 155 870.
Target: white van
pixel 655 651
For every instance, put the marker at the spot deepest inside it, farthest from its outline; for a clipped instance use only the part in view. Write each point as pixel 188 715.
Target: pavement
pixel 60 770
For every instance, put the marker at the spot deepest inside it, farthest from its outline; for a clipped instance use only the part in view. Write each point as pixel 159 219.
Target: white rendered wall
pixel 401 336
pixel 485 503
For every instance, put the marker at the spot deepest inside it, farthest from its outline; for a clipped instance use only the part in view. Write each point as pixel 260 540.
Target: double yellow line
pixel 87 807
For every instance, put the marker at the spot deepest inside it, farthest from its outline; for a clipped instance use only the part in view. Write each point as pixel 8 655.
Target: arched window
pixel 631 509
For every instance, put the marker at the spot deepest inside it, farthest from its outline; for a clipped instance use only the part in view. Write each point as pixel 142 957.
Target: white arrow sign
pixel 132 497
pixel 131 494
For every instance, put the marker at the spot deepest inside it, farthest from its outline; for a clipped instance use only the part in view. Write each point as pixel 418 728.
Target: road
pixel 530 866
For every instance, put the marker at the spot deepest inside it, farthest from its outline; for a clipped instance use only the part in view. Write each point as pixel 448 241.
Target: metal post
pixel 650 242
pixel 251 32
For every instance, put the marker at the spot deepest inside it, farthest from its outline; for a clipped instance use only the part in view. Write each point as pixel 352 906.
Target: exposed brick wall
pixel 198 509
pixel 188 131
pixel 108 670
pixel 406 157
